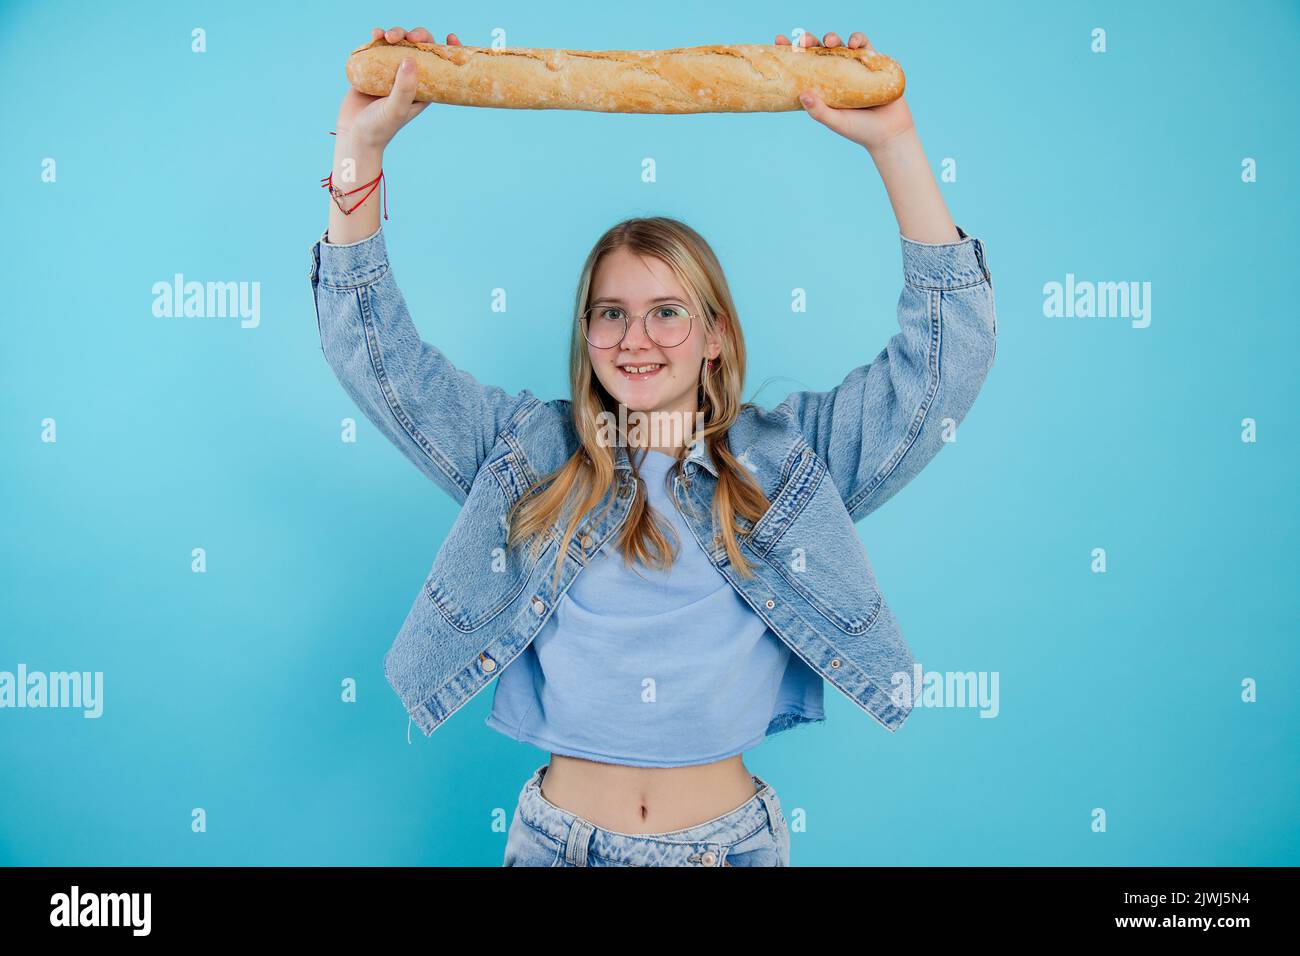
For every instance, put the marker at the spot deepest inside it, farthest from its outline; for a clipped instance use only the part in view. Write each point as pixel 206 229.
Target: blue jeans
pixel 542 834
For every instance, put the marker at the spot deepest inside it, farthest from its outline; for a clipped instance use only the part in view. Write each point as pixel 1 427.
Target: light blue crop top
pixel 651 668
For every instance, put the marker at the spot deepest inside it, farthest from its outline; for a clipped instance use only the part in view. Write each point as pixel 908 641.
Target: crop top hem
pixel 784 721
pixel 792 718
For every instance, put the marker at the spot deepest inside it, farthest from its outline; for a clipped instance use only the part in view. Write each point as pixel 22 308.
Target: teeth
pixel 638 369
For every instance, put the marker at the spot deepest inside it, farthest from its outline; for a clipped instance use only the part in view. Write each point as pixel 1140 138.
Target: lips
pixel 625 371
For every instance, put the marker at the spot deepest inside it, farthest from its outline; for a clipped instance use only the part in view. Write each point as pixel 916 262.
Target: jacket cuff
pixel 944 265
pixel 350 264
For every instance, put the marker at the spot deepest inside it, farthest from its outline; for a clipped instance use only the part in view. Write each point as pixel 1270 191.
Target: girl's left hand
pixel 870 127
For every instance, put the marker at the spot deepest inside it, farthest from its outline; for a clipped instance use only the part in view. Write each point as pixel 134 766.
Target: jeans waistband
pixel 580 836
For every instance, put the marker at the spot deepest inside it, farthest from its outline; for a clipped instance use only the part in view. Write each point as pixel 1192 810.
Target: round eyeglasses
pixel 666 325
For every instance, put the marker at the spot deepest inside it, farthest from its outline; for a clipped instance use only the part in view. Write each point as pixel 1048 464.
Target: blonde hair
pixel 589 474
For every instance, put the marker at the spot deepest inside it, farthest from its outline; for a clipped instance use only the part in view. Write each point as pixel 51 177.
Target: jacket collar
pixel 699 454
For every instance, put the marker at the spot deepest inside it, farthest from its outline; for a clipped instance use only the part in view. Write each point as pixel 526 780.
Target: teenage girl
pixel 721 800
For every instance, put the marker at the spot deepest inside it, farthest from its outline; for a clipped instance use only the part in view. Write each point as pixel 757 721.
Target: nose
pixel 636 337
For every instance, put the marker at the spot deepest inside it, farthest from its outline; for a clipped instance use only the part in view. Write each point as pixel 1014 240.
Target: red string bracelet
pixel 328 183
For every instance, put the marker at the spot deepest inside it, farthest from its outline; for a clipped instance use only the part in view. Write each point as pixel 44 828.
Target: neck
pixel 665 430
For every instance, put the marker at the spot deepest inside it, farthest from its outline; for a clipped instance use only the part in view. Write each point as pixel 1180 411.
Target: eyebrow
pixel 662 298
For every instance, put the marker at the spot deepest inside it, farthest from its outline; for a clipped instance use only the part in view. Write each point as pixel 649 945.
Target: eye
pixel 605 313
pixel 672 312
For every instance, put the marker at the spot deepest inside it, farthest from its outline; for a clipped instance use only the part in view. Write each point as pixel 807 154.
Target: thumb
pixel 816 107
pixel 403 91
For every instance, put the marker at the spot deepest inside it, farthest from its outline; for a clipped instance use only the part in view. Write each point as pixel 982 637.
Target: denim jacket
pixel 824 459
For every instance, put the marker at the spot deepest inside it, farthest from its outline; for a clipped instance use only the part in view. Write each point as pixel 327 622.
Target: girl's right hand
pixel 373 121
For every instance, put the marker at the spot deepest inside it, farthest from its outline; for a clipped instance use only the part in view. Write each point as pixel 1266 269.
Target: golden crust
pixel 737 78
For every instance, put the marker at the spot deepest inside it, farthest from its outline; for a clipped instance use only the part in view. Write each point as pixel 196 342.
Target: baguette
pixel 743 78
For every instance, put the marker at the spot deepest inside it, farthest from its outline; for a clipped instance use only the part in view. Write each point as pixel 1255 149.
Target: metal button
pixel 708 859
pixel 586 542
pixel 538 606
pixel 488 663
pixel 835 662
pixel 770 604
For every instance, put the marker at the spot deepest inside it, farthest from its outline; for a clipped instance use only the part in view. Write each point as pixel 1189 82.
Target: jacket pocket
pixel 476 575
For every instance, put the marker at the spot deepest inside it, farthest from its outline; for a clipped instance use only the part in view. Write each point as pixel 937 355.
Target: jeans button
pixel 708 859
pixel 538 606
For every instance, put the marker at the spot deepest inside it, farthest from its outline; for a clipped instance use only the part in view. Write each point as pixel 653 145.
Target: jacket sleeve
pixel 440 417
pixel 879 427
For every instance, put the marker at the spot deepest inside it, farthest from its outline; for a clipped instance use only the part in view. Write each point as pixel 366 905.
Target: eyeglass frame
pixel 645 324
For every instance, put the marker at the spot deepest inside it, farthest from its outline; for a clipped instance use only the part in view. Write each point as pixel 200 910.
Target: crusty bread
pixel 703 79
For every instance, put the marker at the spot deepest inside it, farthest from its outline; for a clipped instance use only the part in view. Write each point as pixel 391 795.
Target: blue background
pixel 222 690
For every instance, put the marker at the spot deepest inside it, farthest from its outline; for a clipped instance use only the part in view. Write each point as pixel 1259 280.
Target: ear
pixel 721 328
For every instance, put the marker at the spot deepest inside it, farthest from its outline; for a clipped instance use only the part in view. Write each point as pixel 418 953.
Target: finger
pixel 453 40
pixel 810 39
pixel 394 34
pixel 783 40
pixel 376 33
pixel 832 39
pixel 857 39
pixel 420 35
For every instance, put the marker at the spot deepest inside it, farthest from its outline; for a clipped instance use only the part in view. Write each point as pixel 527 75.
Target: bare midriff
pixel 646 799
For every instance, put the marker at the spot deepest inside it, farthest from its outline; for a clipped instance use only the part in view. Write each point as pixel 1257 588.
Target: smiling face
pixel 635 284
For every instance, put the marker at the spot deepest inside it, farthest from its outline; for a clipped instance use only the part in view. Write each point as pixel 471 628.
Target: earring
pixel 711 364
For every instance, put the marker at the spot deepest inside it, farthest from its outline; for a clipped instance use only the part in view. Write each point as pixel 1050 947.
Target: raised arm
pixel 879 427
pixel 440 417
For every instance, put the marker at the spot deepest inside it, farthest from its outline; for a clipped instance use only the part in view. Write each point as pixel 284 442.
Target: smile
pixel 639 373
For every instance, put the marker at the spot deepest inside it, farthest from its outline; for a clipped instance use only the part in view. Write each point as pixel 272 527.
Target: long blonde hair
pixel 589 473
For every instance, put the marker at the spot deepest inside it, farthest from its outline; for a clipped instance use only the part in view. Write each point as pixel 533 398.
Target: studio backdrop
pixel 1097 575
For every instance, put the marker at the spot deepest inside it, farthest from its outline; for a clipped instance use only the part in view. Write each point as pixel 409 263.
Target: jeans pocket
pixel 526 846
pixel 762 848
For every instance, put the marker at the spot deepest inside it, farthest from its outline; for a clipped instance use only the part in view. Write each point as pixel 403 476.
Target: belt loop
pixel 768 796
pixel 982 261
pixel 575 846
